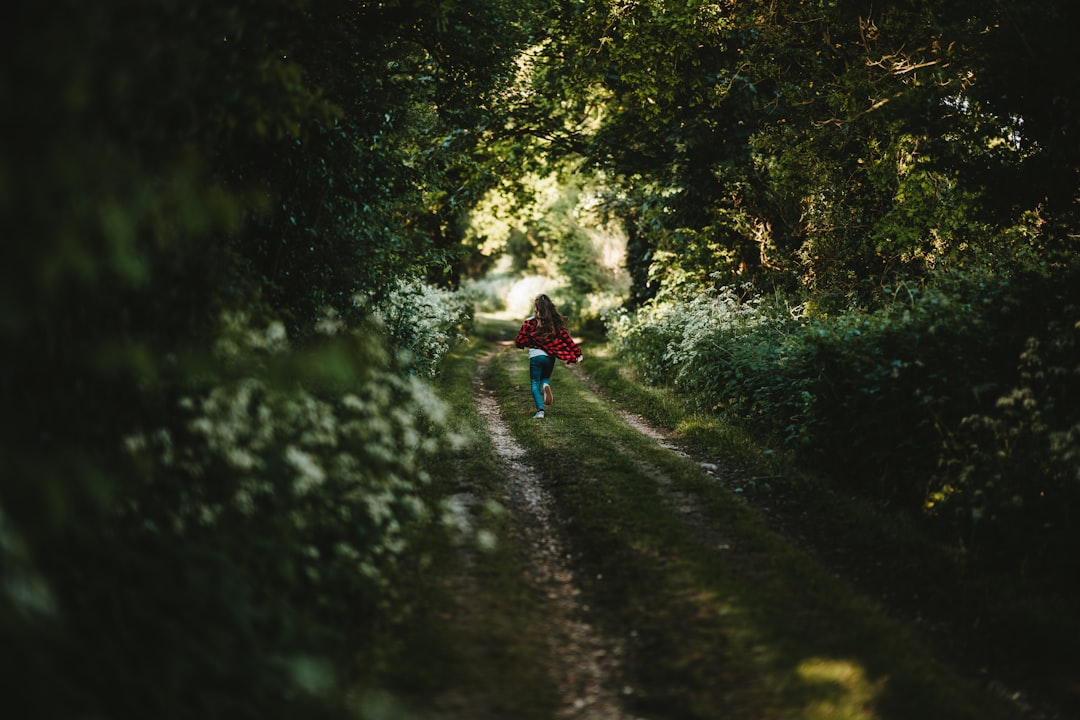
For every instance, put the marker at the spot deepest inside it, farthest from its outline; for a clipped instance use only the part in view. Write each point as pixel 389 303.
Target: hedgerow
pixel 262 525
pixel 955 399
pixel 1010 470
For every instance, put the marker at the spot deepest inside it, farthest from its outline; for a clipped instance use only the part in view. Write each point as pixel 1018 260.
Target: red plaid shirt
pixel 562 346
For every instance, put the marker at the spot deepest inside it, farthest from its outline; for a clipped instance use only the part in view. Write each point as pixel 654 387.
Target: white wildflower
pixel 244 502
pixel 275 338
pixel 309 473
pixel 330 322
pixel 352 402
pixel 486 540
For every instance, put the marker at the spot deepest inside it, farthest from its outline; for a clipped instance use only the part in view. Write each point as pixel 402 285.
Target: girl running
pixel 544 334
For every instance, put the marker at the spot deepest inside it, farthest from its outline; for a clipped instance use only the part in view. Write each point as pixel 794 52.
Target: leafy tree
pixel 1026 76
pixel 205 203
pixel 836 146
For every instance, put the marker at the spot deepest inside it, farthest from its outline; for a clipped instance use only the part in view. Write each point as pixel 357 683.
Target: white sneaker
pixel 539 415
pixel 547 394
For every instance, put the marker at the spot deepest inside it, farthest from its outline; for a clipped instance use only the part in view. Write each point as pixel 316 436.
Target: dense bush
pixel 256 545
pixel 957 399
pixel 210 479
pixel 424 321
pixel 1011 469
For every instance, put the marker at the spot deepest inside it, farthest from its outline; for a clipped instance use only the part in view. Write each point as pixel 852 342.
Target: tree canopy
pixel 223 213
pixel 832 145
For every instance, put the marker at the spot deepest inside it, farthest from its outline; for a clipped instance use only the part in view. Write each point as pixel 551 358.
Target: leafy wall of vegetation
pixel 950 401
pixel 217 335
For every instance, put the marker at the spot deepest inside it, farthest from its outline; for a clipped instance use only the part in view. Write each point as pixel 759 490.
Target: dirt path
pixel 586 664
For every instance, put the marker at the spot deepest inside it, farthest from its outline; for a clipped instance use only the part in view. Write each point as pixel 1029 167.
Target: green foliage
pixel 839 147
pixel 212 458
pixel 194 193
pixel 424 321
pixel 873 175
pixel 1012 469
pixel 680 339
pixel 555 229
pixel 918 404
pixel 255 545
pixel 1027 70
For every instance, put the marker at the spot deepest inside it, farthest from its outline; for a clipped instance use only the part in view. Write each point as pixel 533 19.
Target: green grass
pixel 724 617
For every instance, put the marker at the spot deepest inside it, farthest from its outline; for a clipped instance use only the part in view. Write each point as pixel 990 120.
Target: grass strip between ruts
pixel 724 617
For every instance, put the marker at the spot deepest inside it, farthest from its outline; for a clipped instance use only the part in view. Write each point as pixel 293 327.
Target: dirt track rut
pixel 585 663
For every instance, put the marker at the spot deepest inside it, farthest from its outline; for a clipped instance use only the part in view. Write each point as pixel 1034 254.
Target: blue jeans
pixel 540 368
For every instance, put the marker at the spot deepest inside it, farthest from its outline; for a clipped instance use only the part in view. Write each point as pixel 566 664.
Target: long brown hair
pixel 549 322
